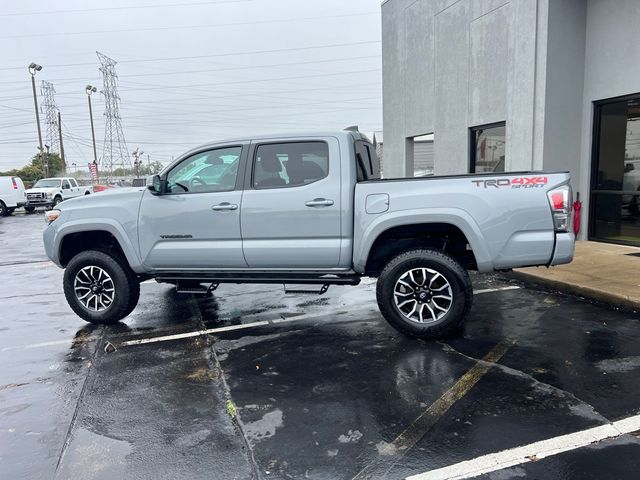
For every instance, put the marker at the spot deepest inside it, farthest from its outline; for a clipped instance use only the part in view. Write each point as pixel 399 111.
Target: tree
pixel 34 171
pixel 55 163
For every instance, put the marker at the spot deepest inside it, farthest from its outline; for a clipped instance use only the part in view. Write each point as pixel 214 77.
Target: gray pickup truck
pixel 307 209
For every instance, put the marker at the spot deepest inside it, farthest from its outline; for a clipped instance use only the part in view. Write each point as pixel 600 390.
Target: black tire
pixel 454 275
pixel 3 209
pixel 29 209
pixel 125 285
pixel 56 201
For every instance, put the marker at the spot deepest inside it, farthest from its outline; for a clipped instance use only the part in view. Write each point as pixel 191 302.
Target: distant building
pixel 520 85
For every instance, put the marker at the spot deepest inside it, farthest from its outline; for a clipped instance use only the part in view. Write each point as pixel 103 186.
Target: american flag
pixel 93 170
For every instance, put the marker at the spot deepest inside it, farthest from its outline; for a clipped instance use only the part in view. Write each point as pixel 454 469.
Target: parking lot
pixel 253 383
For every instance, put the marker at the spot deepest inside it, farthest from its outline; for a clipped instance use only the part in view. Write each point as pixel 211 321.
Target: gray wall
pixel 449 65
pixel 612 68
pixel 538 65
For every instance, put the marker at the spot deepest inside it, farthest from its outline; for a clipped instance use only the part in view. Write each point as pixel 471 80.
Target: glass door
pixel 615 179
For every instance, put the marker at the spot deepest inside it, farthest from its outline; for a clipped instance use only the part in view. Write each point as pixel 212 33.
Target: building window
pixel 487 147
pixel 615 179
pixel 422 147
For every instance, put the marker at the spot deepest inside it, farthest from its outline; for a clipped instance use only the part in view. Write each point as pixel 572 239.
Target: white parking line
pixel 532 452
pixel 37 345
pixel 497 289
pixel 229 328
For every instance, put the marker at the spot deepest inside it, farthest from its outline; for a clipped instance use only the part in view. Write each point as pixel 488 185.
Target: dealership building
pixel 512 85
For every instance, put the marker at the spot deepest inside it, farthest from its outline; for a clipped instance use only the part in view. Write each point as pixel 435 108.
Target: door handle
pixel 319 202
pixel 224 206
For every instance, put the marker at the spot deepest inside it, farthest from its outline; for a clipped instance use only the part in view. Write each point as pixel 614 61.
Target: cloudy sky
pixel 190 71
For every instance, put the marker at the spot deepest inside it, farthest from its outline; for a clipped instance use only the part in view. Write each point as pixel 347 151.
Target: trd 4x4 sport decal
pixel 518 182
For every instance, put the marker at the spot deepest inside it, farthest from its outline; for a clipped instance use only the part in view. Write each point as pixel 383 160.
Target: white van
pixel 12 195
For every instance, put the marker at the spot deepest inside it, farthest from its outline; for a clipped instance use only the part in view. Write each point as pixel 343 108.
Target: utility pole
pixel 33 69
pixel 46 162
pixel 89 89
pixel 64 162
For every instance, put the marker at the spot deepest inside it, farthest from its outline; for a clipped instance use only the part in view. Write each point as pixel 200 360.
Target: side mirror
pixel 155 184
pixel 66 187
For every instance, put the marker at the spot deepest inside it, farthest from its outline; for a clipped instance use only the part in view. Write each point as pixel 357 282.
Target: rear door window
pixel 291 164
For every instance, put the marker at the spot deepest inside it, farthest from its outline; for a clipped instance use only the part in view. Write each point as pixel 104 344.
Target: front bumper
pixel 563 251
pixel 44 202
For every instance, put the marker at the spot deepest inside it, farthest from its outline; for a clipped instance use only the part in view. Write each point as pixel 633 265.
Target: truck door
pixel 196 223
pixel 291 208
pixel 67 191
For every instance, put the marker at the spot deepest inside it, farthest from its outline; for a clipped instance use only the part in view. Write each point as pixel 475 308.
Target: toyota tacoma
pixel 309 209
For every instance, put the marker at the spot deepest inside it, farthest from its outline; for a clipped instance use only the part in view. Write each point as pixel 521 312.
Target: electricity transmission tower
pixel 50 112
pixel 114 151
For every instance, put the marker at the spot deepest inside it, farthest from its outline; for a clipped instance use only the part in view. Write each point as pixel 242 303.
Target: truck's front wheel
pixel 100 287
pixel 424 293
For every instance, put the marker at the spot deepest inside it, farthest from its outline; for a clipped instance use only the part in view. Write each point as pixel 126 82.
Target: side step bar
pixel 293 278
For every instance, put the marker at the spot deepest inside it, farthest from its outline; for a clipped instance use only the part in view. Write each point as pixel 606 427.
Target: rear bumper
pixel 563 251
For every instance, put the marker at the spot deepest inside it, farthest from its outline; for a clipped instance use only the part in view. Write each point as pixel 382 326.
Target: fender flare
pixel 453 216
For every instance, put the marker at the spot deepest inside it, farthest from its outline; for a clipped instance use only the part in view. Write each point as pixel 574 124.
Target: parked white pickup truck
pixel 49 192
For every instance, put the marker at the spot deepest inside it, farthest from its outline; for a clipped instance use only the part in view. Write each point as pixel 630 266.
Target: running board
pixel 292 278
pixel 195 288
pixel 322 290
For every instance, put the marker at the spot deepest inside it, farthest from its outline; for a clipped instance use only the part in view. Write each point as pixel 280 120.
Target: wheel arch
pixel 407 229
pixel 443 237
pixel 74 238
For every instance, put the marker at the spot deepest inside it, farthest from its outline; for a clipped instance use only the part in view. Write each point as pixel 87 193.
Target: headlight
pixel 51 216
pixel 49 194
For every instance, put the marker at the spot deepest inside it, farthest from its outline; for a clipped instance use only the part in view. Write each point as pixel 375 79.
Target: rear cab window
pixel 367 163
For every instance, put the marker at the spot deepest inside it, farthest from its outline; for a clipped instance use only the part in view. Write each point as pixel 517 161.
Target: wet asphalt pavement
pixel 335 394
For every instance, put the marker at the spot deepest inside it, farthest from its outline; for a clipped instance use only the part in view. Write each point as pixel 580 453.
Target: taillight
pixel 15 184
pixel 560 201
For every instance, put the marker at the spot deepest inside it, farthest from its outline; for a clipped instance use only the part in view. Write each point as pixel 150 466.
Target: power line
pixel 132 7
pixel 225 69
pixel 213 55
pixel 186 27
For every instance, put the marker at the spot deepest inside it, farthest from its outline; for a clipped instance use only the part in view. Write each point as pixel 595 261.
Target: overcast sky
pixel 190 71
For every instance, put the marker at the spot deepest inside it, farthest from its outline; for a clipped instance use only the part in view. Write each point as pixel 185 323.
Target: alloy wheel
pixel 94 288
pixel 423 295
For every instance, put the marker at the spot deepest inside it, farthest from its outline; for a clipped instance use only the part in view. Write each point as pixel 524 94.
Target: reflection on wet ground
pixel 333 393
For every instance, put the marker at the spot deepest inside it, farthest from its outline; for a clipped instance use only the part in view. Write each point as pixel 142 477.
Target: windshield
pixel 47 183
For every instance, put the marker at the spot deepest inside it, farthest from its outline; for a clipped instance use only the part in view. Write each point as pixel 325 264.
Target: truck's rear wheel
pixel 424 293
pixel 100 287
pixel 3 209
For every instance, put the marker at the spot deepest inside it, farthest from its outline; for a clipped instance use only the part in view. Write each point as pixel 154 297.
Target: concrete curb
pixel 609 298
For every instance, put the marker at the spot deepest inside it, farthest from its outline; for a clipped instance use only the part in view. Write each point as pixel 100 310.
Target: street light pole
pixel 89 90
pixel 33 69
